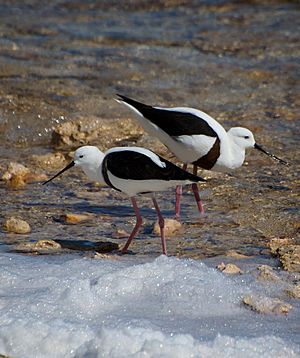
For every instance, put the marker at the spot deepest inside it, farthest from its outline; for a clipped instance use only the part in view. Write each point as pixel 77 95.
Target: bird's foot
pixel 176 217
pixel 125 252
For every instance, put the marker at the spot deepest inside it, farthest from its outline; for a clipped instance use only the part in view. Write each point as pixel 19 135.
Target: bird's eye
pixel 246 137
pixel 81 156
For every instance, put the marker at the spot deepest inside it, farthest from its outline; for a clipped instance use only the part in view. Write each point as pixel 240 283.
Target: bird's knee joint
pixel 161 223
pixel 179 190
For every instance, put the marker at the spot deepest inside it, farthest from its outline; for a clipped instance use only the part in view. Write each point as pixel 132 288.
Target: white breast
pixel 134 187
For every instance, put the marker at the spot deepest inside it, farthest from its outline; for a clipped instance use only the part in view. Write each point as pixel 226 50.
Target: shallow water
pixel 236 61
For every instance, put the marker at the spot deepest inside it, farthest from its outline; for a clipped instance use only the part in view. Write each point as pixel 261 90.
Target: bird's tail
pixel 137 105
pixel 179 173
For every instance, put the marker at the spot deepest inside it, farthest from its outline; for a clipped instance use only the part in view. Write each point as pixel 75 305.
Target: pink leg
pixel 196 192
pixel 161 223
pixel 178 196
pixel 137 225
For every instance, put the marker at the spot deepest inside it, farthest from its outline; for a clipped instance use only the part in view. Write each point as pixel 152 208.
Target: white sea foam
pixel 66 307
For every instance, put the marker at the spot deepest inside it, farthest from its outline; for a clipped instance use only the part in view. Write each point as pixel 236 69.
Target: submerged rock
pixel 229 268
pixel 236 255
pixel 47 244
pixel 41 246
pixel 266 305
pixel 16 225
pixel 53 160
pixel 172 227
pixel 266 273
pixel 294 292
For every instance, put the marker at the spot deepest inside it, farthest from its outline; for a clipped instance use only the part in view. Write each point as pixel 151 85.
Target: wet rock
pixel 16 225
pixel 71 218
pixel 52 160
pixel 16 181
pixel 17 175
pixel 266 305
pixel 277 243
pixel 290 257
pixel 229 268
pixel 288 251
pixel 294 292
pixel 172 227
pixel 266 273
pixel 15 168
pixel 41 246
pixel 92 130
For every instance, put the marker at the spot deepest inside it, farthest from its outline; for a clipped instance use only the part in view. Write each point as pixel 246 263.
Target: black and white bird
pixel 195 137
pixel 133 171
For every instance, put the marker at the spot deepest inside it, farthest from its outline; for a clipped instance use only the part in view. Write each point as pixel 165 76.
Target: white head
pixel 242 137
pixel 89 158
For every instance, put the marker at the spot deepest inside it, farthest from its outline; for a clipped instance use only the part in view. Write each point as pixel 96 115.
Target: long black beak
pixel 56 175
pixel 256 146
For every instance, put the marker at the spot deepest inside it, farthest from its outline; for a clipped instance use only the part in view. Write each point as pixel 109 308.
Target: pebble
pixel 288 250
pixel 266 305
pixel 73 219
pixel 120 234
pixel 16 225
pixel 229 268
pixel 172 227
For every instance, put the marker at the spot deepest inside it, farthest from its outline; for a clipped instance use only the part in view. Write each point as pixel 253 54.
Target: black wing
pixel 175 123
pixel 132 165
